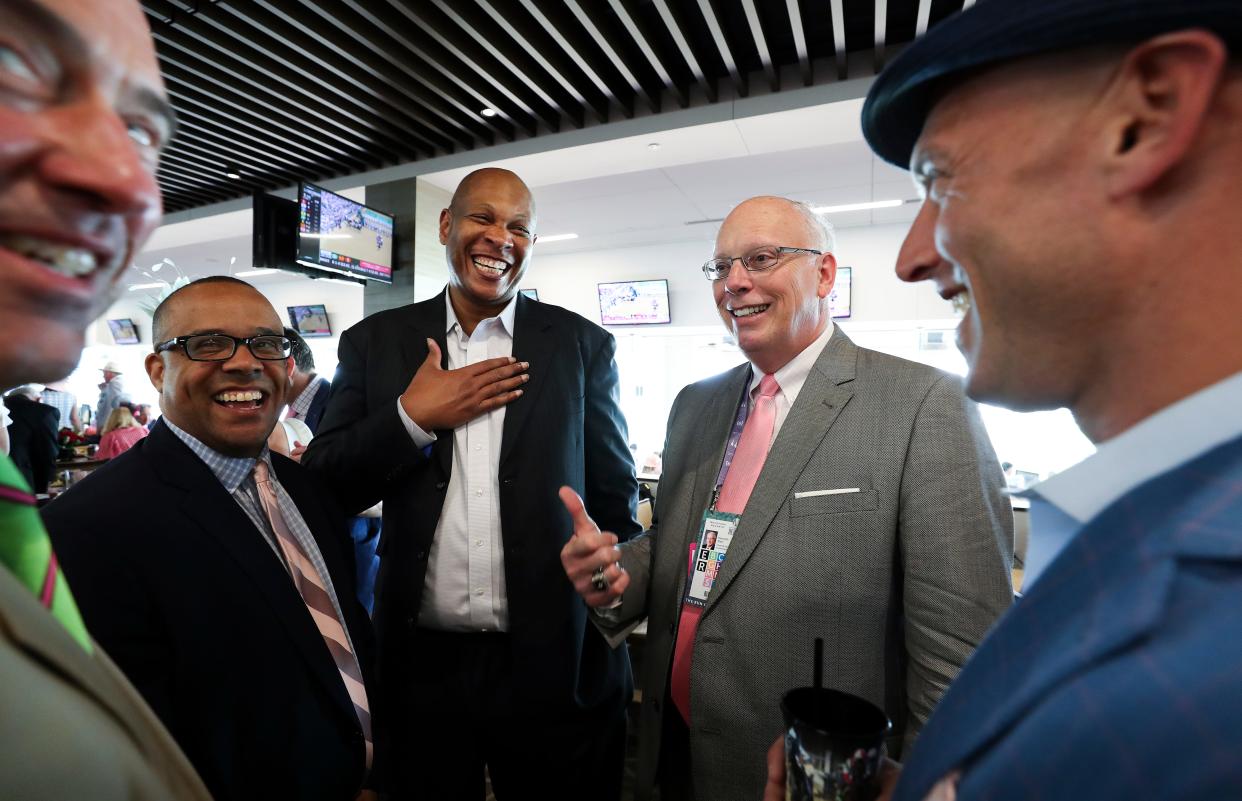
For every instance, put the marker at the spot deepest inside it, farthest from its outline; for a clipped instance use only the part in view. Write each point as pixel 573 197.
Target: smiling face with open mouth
pixel 81 129
pixel 230 406
pixel 487 232
pixel 776 314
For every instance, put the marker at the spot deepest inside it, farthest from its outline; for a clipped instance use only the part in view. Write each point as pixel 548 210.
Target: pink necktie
pixel 752 450
pixel 318 602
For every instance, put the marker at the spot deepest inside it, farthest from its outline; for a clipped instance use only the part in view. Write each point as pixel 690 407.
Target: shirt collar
pixel 1170 437
pixel 506 315
pixel 231 471
pixel 792 375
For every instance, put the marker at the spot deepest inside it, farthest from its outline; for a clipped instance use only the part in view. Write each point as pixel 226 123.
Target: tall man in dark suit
pixel 855 497
pixel 32 436
pixel 83 120
pixel 1079 162
pixel 219 575
pixel 465 413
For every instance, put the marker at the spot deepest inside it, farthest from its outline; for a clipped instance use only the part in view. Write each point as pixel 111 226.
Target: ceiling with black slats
pixel 270 92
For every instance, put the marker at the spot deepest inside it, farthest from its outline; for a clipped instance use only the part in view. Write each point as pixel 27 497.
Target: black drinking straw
pixel 819 678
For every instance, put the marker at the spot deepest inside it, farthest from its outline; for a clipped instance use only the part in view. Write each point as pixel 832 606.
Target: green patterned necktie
pixel 27 552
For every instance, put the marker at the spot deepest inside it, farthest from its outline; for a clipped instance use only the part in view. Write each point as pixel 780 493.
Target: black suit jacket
pixel 183 591
pixel 32 439
pixel 565 429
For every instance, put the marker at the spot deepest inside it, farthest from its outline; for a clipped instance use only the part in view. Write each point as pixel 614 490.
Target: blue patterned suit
pixel 1120 674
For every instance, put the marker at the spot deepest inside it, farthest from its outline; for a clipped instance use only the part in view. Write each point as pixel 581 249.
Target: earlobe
pixel 446 221
pixel 827 274
pixel 155 371
pixel 1164 90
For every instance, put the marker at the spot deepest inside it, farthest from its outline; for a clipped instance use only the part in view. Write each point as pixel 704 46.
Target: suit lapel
pixel 33 629
pixel 208 507
pixel 819 403
pixel 532 342
pixel 428 319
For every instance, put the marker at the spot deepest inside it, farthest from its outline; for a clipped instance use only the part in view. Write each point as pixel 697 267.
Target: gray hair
pixel 821 229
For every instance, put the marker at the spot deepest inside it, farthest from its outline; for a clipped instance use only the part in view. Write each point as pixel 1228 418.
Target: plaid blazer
pixel 1120 674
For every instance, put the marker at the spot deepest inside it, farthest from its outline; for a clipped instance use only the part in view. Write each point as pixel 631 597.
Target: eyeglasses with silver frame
pixel 759 260
pixel 221 347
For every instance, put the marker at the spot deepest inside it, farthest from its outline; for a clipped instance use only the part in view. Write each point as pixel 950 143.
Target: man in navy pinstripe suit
pixel 1079 160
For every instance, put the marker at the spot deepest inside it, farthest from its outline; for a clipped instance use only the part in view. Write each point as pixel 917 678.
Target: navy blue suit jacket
pixel 1119 675
pixel 175 581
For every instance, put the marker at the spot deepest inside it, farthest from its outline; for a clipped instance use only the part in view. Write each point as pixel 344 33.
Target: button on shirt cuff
pixel 420 438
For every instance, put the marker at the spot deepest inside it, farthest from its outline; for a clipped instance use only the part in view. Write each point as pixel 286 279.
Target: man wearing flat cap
pixel 1080 162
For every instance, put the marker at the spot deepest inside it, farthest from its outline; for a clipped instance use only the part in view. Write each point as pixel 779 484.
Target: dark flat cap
pixel 994 31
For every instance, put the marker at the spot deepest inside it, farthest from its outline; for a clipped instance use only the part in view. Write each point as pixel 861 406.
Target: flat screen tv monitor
pixel 310 321
pixel 343 236
pixel 124 332
pixel 839 300
pixel 634 303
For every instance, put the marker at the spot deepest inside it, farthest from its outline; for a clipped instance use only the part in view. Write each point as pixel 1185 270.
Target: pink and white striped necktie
pixel 318 602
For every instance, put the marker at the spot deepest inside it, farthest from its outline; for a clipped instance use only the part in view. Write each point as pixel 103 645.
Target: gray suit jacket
pixel 71 725
pixel 902 579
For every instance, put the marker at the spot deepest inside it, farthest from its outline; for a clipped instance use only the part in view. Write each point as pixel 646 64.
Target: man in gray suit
pixel 854 497
pixel 83 117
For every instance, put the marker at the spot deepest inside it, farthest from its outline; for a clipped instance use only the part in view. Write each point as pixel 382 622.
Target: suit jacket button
pixel 411 623
pixel 420 554
pixel 441 485
pixel 507 481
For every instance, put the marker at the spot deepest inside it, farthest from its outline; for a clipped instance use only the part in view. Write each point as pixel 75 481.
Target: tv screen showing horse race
pixel 341 235
pixel 634 302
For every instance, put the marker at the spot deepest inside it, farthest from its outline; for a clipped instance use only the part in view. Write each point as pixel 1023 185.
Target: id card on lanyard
pixel 707 552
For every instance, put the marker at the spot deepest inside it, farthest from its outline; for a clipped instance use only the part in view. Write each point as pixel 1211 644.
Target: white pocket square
pixel 817 493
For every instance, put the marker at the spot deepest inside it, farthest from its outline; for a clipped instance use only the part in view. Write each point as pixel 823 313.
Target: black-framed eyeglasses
pixel 759 260
pixel 221 347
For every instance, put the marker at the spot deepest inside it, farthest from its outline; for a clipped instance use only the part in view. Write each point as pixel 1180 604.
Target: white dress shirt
pixel 465 585
pixel 1176 434
pixel 791 377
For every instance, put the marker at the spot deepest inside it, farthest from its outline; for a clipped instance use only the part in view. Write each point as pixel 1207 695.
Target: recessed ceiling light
pixel 557 237
pixel 489 112
pixel 875 204
pixel 232 171
pixel 653 146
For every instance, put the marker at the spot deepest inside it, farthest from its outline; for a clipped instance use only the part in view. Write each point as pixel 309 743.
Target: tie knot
pixel 768 386
pixel 260 471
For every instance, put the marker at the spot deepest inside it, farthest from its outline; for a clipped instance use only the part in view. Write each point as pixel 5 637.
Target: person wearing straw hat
pixel 111 392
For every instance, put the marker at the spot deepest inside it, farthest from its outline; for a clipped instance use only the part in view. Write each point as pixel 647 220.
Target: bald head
pixel 164 312
pixel 487 180
pixel 817 231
